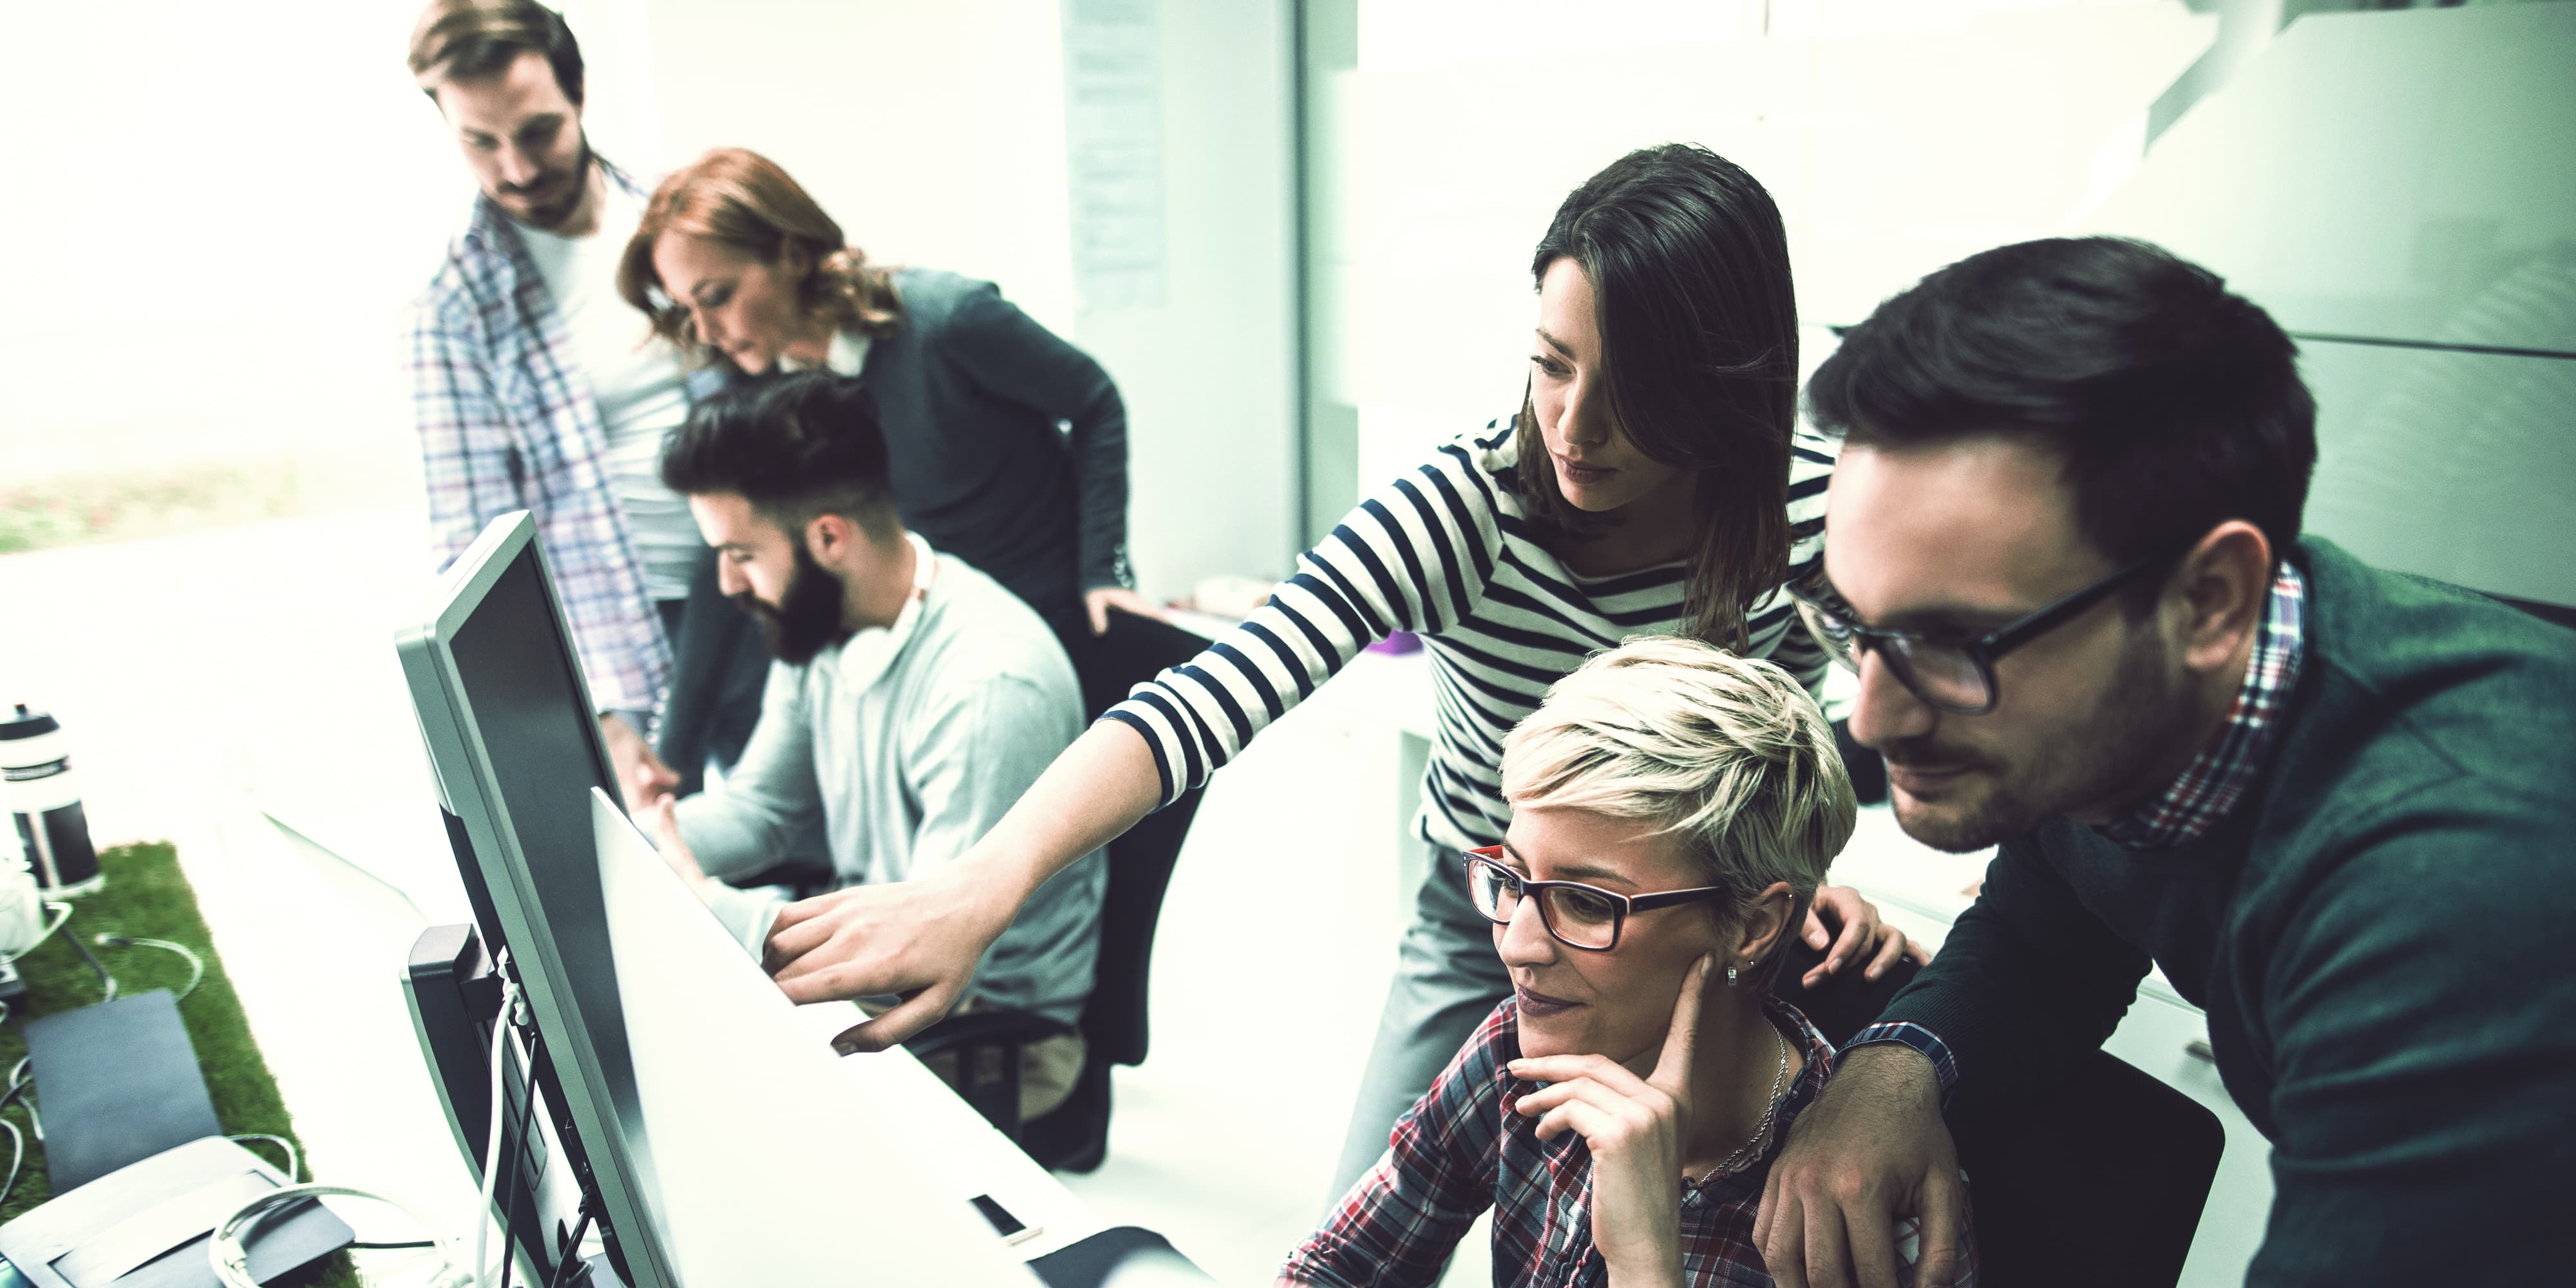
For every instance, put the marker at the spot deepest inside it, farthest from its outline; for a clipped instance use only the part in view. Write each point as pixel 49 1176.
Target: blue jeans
pixel 1447 980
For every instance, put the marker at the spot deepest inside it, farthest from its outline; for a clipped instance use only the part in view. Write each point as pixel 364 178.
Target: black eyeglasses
pixel 1580 916
pixel 1956 675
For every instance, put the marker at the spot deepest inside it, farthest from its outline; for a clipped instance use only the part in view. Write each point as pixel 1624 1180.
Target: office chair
pixel 2100 1182
pixel 1075 1136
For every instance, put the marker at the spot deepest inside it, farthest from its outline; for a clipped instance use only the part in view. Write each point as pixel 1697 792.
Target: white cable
pixel 492 1150
pixel 229 1254
pixel 18 1081
pixel 294 1160
pixel 17 1157
pixel 196 964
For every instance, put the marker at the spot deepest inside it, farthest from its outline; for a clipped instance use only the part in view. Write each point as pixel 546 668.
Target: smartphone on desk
pixel 1011 1228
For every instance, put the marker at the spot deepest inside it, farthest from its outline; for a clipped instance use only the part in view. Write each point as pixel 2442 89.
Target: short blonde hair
pixel 1728 751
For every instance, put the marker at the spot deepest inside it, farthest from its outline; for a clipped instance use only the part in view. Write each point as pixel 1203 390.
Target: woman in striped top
pixel 1650 484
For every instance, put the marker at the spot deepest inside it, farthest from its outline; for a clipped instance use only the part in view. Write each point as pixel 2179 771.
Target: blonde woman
pixel 1674 810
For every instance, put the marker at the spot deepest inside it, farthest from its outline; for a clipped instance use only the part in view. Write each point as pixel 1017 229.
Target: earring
pixel 1730 976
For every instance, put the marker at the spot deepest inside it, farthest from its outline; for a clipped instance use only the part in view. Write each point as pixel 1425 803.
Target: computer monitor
pixel 516 749
pixel 777 1168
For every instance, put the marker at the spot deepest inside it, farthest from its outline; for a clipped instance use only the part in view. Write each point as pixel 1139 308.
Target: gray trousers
pixel 1447 979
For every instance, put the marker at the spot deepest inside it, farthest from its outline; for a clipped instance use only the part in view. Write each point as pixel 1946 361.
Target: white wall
pixel 2392 175
pixel 936 135
pixel 1209 374
pixel 2397 189
pixel 1896 137
pixel 215 215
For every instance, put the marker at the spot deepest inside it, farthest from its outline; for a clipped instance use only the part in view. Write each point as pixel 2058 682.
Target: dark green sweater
pixel 2383 935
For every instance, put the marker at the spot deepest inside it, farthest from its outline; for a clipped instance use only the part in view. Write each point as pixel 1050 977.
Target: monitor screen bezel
pixel 502 889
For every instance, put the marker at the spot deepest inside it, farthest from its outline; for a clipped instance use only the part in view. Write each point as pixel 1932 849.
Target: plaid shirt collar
pixel 2216 780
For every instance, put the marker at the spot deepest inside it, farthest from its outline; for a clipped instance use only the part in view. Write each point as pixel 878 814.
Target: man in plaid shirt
pixel 532 386
pixel 1673 809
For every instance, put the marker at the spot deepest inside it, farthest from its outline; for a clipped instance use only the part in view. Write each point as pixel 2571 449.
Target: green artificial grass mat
pixel 146 897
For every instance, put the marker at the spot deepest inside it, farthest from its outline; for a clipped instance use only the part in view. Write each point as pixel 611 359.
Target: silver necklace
pixel 1769 1112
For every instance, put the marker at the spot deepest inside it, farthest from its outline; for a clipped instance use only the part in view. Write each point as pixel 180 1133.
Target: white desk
pixel 334 748
pixel 318 983
pixel 1921 891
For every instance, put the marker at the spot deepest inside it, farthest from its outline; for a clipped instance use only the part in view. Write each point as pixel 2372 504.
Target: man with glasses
pixel 2331 802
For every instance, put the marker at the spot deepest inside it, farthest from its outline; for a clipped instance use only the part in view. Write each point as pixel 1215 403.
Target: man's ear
pixel 1764 926
pixel 828 537
pixel 2222 585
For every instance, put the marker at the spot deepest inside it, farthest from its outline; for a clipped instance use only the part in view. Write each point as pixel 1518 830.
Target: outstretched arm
pixel 921 938
pixel 1382 569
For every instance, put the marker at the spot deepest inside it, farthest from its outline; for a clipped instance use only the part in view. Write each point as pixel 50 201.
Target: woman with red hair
pixel 1007 445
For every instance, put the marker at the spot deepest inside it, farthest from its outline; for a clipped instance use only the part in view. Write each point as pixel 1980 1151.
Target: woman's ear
pixel 1764 927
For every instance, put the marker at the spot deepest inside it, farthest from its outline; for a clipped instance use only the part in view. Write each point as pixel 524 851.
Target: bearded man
pixel 912 699
pixel 533 385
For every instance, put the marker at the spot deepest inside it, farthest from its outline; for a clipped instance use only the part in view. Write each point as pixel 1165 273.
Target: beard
pixel 558 212
pixel 807 618
pixel 2096 761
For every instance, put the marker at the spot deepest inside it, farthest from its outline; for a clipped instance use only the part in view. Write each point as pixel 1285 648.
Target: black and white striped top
pixel 1444 551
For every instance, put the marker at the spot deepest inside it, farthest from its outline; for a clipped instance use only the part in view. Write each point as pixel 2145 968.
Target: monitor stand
pixel 454 993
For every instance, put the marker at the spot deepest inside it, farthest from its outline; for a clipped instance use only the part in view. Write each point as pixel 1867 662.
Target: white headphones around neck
pixel 866 656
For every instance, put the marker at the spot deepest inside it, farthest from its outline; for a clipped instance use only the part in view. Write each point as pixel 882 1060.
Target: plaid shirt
pixel 1462 1149
pixel 507 422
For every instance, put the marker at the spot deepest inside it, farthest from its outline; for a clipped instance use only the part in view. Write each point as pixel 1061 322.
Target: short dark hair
pixel 796 446
pixel 1689 266
pixel 463 39
pixel 2175 404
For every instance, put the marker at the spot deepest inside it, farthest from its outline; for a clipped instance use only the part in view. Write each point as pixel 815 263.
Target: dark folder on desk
pixel 118 1083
